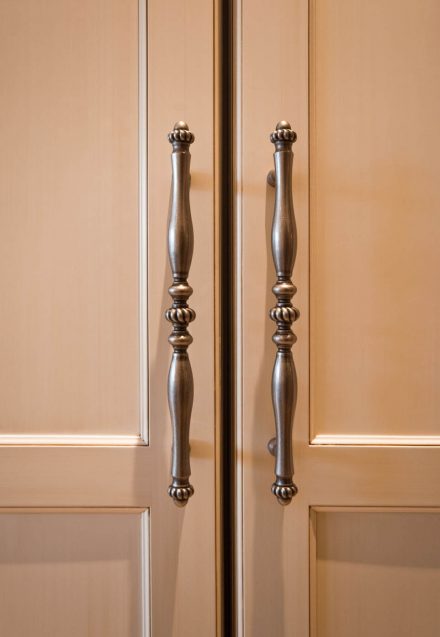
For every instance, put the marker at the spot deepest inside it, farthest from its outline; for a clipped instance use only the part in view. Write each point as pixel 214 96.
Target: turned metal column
pixel 284 245
pixel 180 315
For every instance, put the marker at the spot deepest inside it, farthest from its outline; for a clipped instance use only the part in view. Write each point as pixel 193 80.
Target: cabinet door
pixel 91 544
pixel 357 550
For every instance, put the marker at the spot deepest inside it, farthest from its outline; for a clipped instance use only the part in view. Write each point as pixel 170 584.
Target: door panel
pixel 90 94
pixel 355 82
pixel 374 232
pixel 69 263
pixel 73 573
pixel 376 573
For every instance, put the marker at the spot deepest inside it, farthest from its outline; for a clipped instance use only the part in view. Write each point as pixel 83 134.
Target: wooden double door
pixel 90 541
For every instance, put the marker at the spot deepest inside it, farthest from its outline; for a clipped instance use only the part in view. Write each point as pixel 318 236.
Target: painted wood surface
pixel 89 95
pixel 359 84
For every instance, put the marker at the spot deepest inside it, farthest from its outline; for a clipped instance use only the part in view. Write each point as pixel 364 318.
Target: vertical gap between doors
pixel 227 314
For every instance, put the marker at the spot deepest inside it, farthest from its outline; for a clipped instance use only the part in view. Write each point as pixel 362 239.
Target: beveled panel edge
pixel 143 222
pixel 311 107
pixel 313 613
pixel 373 441
pixel 373 509
pixel 145 587
pixel 104 510
pixel 89 440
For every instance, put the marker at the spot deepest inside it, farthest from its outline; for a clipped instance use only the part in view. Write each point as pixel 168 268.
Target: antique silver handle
pixel 284 382
pixel 180 251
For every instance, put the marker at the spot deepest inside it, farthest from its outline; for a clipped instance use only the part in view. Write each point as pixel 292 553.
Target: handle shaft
pixel 284 246
pixel 180 315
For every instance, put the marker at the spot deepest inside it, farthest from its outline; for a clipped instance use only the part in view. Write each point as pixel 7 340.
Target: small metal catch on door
pixel 284 245
pixel 180 315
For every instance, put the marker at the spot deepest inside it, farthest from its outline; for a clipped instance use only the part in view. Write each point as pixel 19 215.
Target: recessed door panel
pixel 377 573
pixel 74 573
pixel 69 222
pixel 374 201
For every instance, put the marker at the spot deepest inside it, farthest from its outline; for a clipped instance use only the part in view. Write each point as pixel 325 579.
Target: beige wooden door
pixel 90 542
pixel 357 552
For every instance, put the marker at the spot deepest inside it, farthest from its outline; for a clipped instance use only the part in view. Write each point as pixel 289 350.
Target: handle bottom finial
pixel 180 493
pixel 284 492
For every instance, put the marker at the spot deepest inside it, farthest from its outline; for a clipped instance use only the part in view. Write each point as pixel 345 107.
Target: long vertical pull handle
pixel 180 251
pixel 284 382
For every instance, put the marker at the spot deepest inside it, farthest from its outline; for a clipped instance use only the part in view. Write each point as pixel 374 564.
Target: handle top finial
pixel 283 133
pixel 181 133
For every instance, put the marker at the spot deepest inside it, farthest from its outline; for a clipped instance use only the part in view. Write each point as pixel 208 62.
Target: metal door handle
pixel 180 251
pixel 284 245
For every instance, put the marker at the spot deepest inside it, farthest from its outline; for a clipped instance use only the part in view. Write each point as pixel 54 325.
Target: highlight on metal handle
pixel 284 245
pixel 180 315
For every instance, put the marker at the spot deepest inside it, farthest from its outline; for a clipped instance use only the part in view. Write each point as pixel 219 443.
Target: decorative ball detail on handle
pixel 284 314
pixel 182 315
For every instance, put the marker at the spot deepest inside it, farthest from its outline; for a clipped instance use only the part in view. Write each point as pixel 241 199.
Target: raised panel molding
pixel 143 226
pixel 71 440
pixel 372 441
